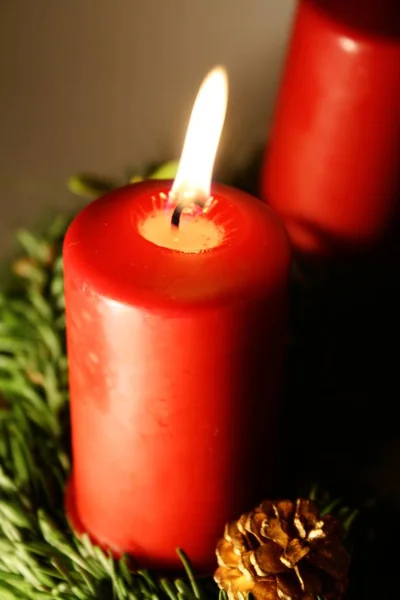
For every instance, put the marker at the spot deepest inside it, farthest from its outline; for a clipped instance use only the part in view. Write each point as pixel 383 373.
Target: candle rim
pixel 196 268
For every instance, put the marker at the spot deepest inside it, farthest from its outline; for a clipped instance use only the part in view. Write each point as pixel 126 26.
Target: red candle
pixel 332 167
pixel 175 342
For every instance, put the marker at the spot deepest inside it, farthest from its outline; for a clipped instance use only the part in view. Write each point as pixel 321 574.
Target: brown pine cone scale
pixel 283 550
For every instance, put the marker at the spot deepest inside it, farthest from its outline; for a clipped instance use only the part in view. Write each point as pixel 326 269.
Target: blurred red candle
pixel 332 166
pixel 175 342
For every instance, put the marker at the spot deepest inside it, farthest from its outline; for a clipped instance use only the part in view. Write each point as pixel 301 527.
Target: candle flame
pixel 193 178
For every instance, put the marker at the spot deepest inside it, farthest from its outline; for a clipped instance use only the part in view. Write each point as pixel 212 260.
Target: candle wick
pixel 176 215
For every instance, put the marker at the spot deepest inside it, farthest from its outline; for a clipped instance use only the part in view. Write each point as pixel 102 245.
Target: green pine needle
pixel 40 558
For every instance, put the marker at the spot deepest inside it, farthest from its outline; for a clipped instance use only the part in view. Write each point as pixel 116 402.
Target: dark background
pixel 339 422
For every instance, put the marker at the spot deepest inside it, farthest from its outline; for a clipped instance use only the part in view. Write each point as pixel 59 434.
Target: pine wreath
pixel 40 557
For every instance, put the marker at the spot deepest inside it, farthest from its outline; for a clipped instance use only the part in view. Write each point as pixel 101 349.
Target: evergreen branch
pixel 40 558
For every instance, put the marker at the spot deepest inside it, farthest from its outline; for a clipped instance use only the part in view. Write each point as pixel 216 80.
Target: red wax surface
pixel 175 369
pixel 332 167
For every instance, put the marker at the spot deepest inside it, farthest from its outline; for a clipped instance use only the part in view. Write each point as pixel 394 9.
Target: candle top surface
pixel 372 18
pixel 106 251
pixel 195 233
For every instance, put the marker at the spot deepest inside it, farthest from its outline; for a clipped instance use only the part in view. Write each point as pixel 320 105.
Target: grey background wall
pixel 98 85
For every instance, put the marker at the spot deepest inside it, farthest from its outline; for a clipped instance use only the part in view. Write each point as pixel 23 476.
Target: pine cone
pixel 283 551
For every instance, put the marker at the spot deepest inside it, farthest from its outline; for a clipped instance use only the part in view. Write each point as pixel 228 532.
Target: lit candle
pixel 332 165
pixel 176 310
